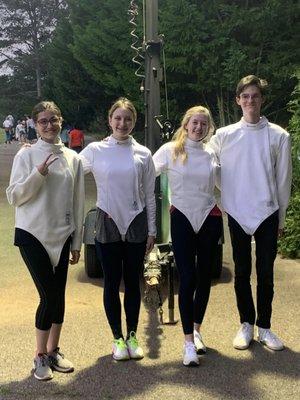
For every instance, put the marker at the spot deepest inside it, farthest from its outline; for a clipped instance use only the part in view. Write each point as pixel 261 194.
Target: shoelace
pixel 120 343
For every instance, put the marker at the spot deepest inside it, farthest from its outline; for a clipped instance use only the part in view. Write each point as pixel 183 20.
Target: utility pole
pixel 153 75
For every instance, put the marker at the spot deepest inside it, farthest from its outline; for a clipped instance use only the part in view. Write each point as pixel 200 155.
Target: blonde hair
pixel 122 102
pixel 181 134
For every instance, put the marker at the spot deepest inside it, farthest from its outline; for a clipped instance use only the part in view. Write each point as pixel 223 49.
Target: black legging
pixel 127 259
pixel 50 285
pixel 194 277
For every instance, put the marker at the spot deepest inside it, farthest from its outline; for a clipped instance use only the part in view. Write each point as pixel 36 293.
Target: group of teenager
pixel 250 161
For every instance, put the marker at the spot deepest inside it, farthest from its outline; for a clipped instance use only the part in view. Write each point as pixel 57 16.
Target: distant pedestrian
pixel 7 125
pixel 46 187
pixel 76 139
pixel 255 159
pixel 64 133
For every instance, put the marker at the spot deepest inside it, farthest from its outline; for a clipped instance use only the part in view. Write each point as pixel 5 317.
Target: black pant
pixel 50 284
pixel 194 276
pixel 122 259
pixel 266 249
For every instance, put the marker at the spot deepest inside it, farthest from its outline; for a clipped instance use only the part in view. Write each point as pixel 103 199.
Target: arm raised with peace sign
pixel 44 167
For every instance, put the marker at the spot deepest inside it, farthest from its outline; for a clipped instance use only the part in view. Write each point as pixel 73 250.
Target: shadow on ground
pixel 219 375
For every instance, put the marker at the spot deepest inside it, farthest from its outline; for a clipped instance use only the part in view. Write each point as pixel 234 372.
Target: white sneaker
pixel 244 336
pixel 269 339
pixel 200 346
pixel 120 350
pixel 134 349
pixel 190 358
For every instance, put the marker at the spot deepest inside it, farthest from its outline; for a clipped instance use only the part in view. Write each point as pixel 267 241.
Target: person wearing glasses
pixel 47 189
pixel 196 221
pixel 255 159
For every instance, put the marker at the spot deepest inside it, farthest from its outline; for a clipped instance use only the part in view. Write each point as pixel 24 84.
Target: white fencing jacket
pixel 125 178
pixel 256 173
pixel 192 183
pixel 49 207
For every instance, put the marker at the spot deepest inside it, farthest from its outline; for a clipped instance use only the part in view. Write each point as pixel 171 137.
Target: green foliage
pixel 289 245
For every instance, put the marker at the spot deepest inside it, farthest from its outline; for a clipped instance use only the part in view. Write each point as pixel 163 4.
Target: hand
pixel 280 232
pixel 150 244
pixel 75 256
pixel 43 168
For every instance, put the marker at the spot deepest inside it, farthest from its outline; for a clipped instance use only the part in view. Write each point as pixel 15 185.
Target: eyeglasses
pixel 44 122
pixel 246 96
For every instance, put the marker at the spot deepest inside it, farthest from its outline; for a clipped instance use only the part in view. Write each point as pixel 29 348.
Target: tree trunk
pixel 220 104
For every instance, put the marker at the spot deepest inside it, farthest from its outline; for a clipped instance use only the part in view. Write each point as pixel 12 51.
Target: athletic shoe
pixel 190 358
pixel 269 339
pixel 42 370
pixel 120 350
pixel 244 336
pixel 135 351
pixel 59 362
pixel 200 346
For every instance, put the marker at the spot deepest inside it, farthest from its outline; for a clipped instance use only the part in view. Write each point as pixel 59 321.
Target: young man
pixel 255 160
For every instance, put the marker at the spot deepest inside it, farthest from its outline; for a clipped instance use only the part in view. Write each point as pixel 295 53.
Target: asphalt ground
pixel 224 373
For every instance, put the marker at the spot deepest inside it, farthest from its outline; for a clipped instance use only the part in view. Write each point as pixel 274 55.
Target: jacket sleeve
pixel 283 175
pixel 149 186
pixel 78 207
pixel 24 182
pixel 160 160
pixel 215 144
pixel 87 158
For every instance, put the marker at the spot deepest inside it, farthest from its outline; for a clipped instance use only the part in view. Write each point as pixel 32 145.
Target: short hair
pixel 45 106
pixel 123 102
pixel 248 80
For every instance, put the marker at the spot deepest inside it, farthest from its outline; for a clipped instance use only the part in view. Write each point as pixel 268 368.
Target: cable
pixel 138 59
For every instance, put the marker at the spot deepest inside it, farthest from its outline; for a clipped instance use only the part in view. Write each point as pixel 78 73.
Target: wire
pixel 138 59
pixel 165 78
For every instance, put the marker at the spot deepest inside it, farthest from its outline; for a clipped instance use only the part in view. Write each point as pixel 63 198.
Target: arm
pixel 149 186
pixel 78 212
pixel 283 176
pixel 215 145
pixel 160 160
pixel 24 183
pixel 87 159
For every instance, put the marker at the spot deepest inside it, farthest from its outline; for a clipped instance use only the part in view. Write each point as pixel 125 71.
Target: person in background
pixel 125 223
pixel 255 159
pixel 76 139
pixel 7 126
pixel 64 133
pixel 47 189
pixel 20 131
pixel 196 221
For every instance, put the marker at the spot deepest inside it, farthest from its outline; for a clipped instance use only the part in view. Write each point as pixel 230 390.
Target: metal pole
pixel 153 74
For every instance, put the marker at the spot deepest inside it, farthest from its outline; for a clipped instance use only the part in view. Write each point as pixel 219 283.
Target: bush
pixel 289 244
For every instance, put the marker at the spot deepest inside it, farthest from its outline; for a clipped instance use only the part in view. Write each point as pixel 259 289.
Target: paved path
pixel 224 373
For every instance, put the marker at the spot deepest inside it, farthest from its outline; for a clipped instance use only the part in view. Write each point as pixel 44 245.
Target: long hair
pixel 181 134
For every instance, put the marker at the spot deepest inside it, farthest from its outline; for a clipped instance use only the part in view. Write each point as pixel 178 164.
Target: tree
pixel 26 26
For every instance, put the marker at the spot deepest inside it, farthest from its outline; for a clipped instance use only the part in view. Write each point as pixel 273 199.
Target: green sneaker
pixel 59 362
pixel 42 369
pixel 120 350
pixel 135 351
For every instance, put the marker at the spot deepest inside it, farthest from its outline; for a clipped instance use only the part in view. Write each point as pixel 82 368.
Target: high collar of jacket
pixel 193 143
pixel 259 125
pixel 55 148
pixel 127 142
